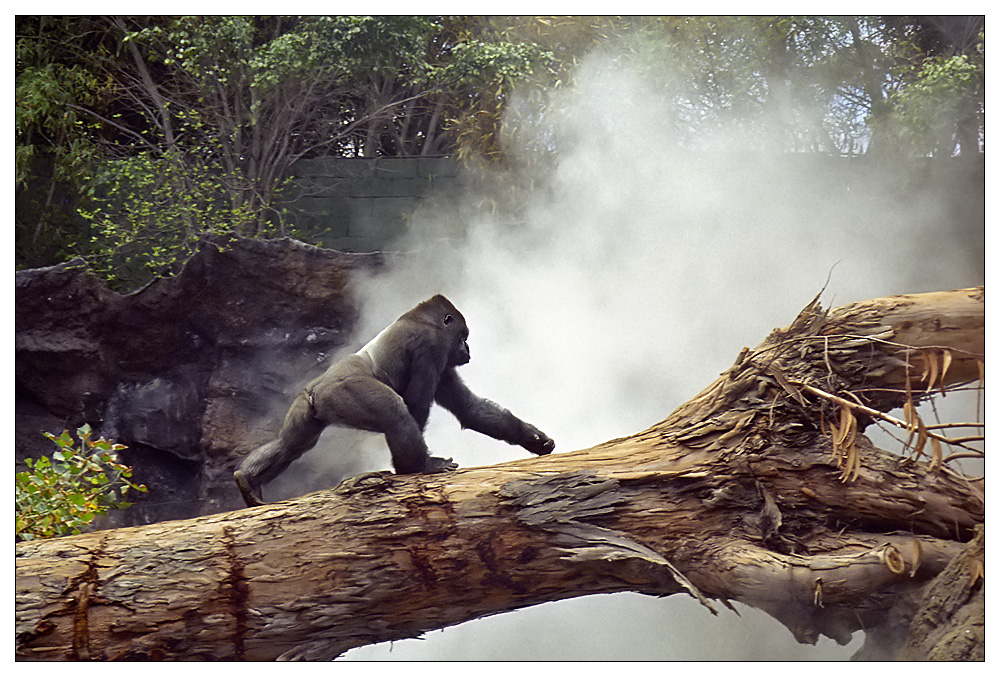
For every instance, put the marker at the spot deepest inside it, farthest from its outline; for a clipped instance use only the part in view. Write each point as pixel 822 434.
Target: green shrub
pixel 64 493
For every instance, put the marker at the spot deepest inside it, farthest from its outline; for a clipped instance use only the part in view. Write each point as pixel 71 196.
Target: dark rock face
pixel 191 372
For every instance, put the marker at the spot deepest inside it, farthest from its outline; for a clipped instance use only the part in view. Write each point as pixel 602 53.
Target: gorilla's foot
pixel 251 496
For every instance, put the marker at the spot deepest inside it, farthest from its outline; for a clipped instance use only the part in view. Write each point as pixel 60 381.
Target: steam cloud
pixel 637 272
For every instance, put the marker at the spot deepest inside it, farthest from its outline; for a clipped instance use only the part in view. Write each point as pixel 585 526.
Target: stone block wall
pixel 363 204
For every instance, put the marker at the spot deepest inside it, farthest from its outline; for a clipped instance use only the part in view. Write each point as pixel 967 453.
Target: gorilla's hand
pixel 537 442
pixel 435 464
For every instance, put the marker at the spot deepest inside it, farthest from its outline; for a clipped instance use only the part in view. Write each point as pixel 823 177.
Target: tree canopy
pixel 166 128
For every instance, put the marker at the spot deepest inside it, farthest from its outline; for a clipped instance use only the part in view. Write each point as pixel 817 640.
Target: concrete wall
pixel 362 204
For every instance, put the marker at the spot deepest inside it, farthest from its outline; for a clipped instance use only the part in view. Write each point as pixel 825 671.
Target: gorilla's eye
pixel 448 319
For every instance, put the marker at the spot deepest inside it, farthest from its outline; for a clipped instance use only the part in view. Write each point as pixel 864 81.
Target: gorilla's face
pixel 459 334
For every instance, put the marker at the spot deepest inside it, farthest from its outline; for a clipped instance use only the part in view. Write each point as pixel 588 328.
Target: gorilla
pixel 388 387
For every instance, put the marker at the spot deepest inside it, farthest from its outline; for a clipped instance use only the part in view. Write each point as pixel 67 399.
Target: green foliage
pixel 477 62
pixel 236 100
pixel 170 128
pixel 50 94
pixel 149 212
pixel 45 115
pixel 928 112
pixel 53 146
pixel 64 493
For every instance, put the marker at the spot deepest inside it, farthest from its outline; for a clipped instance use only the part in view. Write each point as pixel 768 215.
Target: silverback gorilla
pixel 388 387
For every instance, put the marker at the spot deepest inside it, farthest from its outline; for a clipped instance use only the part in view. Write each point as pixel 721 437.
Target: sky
pixel 636 273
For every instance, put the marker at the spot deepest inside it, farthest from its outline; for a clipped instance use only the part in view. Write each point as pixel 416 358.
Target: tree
pixel 761 489
pixel 191 124
pixel 170 127
pixel 937 108
pixel 811 83
pixel 227 105
pixel 52 149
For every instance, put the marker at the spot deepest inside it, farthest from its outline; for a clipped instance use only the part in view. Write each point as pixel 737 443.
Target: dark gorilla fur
pixel 388 387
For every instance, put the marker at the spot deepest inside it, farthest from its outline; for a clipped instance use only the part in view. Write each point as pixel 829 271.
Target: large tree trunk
pixel 760 489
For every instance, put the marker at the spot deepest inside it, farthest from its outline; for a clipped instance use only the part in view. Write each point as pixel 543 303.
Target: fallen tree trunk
pixel 761 490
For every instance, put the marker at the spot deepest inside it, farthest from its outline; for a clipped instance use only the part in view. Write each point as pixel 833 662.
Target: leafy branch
pixel 63 493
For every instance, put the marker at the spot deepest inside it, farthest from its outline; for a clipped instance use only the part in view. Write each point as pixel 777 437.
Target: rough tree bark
pixel 761 489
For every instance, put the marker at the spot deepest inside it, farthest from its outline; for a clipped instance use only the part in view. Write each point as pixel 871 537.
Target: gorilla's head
pixel 442 313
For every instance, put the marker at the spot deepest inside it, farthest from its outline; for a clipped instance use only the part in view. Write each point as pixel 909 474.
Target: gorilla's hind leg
pixel 250 475
pixel 368 404
pixel 251 495
pixel 299 433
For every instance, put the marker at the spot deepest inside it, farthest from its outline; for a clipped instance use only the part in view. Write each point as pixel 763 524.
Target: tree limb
pixel 738 495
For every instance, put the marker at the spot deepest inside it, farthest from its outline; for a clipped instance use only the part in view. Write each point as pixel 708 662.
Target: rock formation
pixel 190 371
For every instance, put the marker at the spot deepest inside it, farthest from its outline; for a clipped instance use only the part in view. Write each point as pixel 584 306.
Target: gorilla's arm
pixel 423 376
pixel 488 418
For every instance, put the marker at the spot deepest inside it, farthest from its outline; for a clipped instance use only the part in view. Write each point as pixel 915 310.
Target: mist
pixel 630 277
